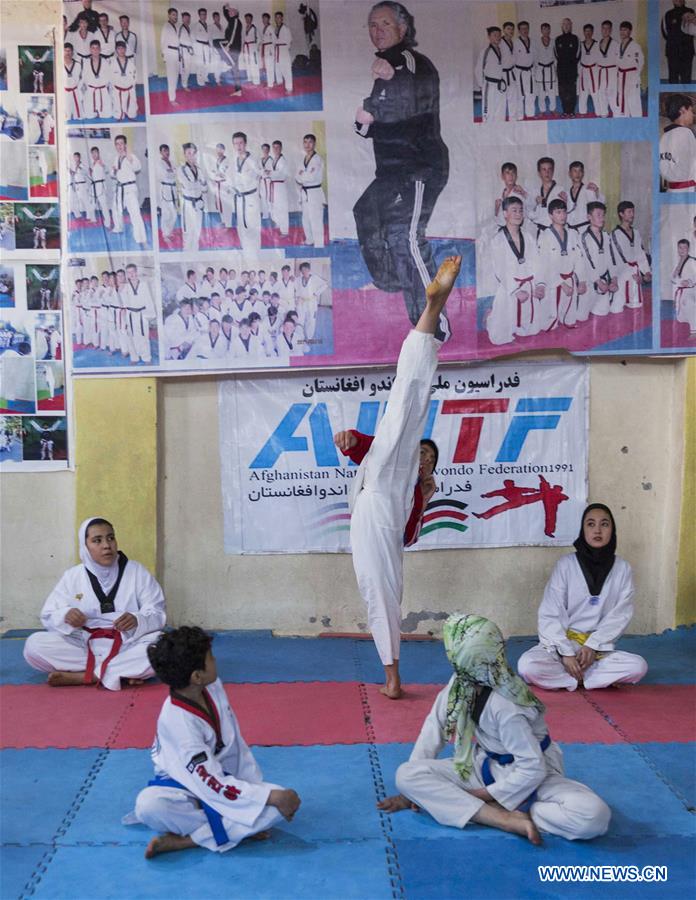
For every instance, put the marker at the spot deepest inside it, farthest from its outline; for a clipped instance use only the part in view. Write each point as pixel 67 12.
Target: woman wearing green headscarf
pixel 506 771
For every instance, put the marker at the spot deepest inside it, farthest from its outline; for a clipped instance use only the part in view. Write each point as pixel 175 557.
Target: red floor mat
pixel 651 712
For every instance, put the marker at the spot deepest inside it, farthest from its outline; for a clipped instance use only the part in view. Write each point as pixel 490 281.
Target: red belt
pixel 94 634
pixel 675 185
pixel 624 73
pixel 591 73
pixel 73 91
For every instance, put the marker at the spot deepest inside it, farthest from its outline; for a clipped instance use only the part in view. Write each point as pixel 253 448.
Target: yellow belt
pixel 580 637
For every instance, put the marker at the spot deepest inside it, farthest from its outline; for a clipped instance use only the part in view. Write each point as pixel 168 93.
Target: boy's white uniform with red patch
pixel 207 755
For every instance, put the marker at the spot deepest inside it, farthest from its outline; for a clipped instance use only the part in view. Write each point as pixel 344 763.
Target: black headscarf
pixel 596 562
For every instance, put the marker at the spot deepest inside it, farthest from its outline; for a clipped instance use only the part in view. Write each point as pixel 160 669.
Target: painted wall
pixel 636 451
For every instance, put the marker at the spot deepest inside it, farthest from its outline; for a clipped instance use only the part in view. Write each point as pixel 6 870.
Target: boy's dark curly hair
pixel 177 654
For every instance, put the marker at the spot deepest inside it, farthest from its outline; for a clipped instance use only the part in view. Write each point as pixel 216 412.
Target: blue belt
pixel 213 816
pixel 505 759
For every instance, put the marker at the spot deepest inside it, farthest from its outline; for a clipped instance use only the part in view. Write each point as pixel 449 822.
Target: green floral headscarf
pixel 476 650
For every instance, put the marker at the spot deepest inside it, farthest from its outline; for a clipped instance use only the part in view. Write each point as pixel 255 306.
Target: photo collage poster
pixel 272 186
pixel 34 427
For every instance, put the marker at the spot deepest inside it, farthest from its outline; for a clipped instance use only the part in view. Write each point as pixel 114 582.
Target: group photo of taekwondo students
pixel 559 69
pixel 556 254
pixel 214 56
pixel 113 310
pixel 103 66
pixel 108 190
pixel 227 189
pixel 237 316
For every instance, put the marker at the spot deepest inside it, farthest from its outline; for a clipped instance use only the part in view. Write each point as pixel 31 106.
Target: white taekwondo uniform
pixel 491 79
pixel 250 55
pixel 137 299
pixel 204 754
pixel 193 187
pixel 577 204
pixel 66 649
pixel 684 292
pixel 309 178
pixel 631 260
pixel 218 176
pixel 202 51
pixel 97 172
pixel 678 159
pixel 600 264
pixel 80 201
pixel 588 77
pixel 171 53
pixel 630 65
pixel 168 198
pixel 512 93
pixel 515 271
pixel 244 176
pixel 567 605
pixel 307 296
pixel 277 175
pixel 559 805
pixel 187 56
pixel 96 82
pixel 563 263
pixel 127 200
pixel 74 90
pixel 123 79
pixel 546 76
pixel 282 57
pixel 179 332
pixel 607 79
pixel 382 492
pixel 267 53
pixel 525 57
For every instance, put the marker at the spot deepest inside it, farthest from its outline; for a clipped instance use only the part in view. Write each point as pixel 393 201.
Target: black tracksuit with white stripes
pixel 412 168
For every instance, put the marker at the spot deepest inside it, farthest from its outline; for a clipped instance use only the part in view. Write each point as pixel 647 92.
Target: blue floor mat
pixel 676 763
pixel 284 866
pixel 17 864
pixel 449 869
pixel 612 771
pixel 322 776
pixel 40 786
pixel 13 667
pixel 261 658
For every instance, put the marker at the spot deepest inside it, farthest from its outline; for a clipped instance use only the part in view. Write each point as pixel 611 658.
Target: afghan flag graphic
pixel 444 514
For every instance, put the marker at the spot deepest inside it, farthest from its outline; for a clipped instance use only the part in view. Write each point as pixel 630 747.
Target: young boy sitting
pixel 208 790
pixel 506 772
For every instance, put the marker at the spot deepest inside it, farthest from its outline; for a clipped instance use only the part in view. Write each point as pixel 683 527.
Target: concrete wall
pixel 636 451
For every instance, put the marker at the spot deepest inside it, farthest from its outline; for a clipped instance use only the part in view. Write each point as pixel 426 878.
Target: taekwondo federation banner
pixel 273 188
pixel 512 467
pixel 33 410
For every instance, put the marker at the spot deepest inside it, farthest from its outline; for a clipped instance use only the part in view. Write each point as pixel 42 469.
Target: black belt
pixel 524 68
pixel 169 47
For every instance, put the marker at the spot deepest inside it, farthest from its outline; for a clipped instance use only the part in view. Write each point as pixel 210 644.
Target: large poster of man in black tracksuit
pixel 402 119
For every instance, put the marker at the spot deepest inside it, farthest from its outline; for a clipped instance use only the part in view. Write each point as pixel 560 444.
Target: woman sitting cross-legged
pixel 507 772
pixel 100 617
pixel 587 605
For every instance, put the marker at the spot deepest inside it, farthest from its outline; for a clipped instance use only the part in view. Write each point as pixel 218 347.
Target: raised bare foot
pixel 393 691
pixel 167 843
pixel 67 679
pixel 439 288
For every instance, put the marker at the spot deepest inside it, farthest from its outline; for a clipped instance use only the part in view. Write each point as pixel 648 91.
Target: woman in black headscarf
pixel 587 605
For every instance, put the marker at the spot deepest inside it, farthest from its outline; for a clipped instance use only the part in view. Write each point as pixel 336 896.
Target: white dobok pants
pixel 383 505
pixel 538 666
pixel 563 807
pixel 49 651
pixel 176 810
